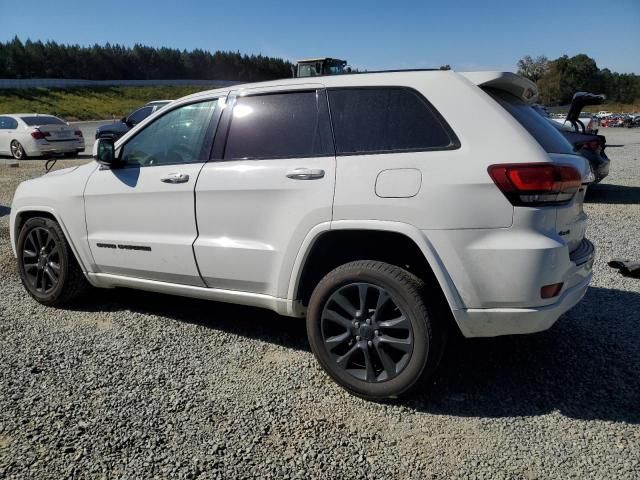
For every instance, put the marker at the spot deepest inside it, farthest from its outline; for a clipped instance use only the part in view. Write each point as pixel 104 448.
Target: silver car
pixel 25 135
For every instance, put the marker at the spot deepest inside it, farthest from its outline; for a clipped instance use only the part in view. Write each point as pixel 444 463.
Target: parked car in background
pixel 116 129
pixel 580 132
pixel 25 135
pixel 589 121
pixel 603 114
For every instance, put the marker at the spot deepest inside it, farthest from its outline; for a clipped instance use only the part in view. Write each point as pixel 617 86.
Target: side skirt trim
pixel 278 305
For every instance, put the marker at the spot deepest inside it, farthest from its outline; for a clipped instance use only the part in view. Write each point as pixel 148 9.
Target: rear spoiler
pixel 521 87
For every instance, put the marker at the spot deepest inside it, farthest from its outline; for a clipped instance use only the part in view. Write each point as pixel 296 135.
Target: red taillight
pixel 531 184
pixel 78 133
pixel 38 135
pixel 550 291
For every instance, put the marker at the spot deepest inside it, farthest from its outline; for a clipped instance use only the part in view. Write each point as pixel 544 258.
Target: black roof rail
pixel 379 71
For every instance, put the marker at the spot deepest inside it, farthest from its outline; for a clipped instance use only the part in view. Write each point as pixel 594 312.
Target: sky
pixel 468 35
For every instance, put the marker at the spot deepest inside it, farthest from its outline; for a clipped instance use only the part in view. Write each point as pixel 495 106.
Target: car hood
pixel 63 171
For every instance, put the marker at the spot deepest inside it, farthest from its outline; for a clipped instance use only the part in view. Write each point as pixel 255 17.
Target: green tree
pixel 533 69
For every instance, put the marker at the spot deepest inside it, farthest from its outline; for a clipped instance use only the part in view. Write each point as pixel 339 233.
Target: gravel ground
pixel 138 385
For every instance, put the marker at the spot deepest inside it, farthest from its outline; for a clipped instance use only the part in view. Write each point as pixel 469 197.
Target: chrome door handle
pixel 305 174
pixel 175 178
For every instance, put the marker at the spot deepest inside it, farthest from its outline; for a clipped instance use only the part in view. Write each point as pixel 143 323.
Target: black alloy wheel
pixel 41 260
pixel 366 333
pixel 376 328
pixel 48 268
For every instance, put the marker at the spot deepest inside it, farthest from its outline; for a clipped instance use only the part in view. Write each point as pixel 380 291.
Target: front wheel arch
pixel 23 215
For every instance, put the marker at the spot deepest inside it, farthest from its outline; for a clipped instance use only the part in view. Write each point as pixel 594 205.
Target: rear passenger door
pixel 270 181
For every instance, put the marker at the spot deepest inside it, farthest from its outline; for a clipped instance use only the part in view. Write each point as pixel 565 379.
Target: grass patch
pixel 87 103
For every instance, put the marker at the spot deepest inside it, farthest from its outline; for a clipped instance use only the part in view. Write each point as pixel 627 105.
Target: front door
pixel 140 215
pixel 266 189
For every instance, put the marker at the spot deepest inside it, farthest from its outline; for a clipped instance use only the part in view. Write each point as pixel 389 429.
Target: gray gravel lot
pixel 137 385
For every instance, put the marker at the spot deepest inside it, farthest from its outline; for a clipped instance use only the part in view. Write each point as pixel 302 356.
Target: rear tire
pixel 372 331
pixel 17 150
pixel 48 268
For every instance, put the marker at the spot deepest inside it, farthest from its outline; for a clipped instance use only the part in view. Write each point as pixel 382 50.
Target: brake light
pixel 535 184
pixel 38 135
pixel 78 133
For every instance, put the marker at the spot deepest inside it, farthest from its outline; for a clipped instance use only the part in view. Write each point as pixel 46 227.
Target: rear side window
pixel 281 125
pixel 384 120
pixel 549 137
pixel 8 123
pixel 42 120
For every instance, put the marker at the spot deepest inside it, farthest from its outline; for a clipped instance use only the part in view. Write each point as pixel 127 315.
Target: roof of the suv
pixel 514 84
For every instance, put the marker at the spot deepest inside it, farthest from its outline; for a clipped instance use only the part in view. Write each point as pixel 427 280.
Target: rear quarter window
pixel 547 135
pixel 385 120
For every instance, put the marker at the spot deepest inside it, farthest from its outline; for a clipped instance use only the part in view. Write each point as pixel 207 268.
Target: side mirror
pixel 123 119
pixel 104 152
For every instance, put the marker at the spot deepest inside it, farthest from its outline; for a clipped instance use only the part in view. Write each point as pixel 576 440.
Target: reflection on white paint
pixel 243 168
pixel 241 111
pixel 222 102
pixel 226 242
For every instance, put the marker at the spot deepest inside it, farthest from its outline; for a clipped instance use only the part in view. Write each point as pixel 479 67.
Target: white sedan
pixel 25 135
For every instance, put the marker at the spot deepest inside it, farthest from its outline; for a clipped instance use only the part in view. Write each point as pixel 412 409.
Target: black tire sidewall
pixel 53 228
pixel 412 372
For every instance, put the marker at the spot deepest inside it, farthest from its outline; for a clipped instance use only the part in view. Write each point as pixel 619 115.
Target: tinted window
pixel 384 120
pixel 8 123
pixel 42 120
pixel 294 124
pixel 139 115
pixel 548 136
pixel 176 137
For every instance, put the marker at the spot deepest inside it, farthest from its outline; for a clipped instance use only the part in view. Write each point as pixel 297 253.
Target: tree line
pixel 35 59
pixel 559 79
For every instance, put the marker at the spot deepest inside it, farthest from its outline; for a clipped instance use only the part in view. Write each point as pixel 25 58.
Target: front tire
pixel 48 268
pixel 372 331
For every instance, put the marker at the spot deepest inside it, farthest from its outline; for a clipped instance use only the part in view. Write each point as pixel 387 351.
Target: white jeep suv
pixel 387 208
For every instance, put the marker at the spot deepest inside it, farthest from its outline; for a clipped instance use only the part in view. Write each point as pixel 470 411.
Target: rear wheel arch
pixel 389 242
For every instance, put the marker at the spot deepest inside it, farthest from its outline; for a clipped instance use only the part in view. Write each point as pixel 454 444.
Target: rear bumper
pixel 493 322
pixel 41 147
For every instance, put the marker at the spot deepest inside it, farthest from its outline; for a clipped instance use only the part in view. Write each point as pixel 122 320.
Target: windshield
pixel 335 68
pixel 42 120
pixel 306 70
pixel 546 135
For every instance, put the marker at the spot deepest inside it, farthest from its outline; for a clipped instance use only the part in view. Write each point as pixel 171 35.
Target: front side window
pixel 280 125
pixel 384 120
pixel 176 137
pixel 139 115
